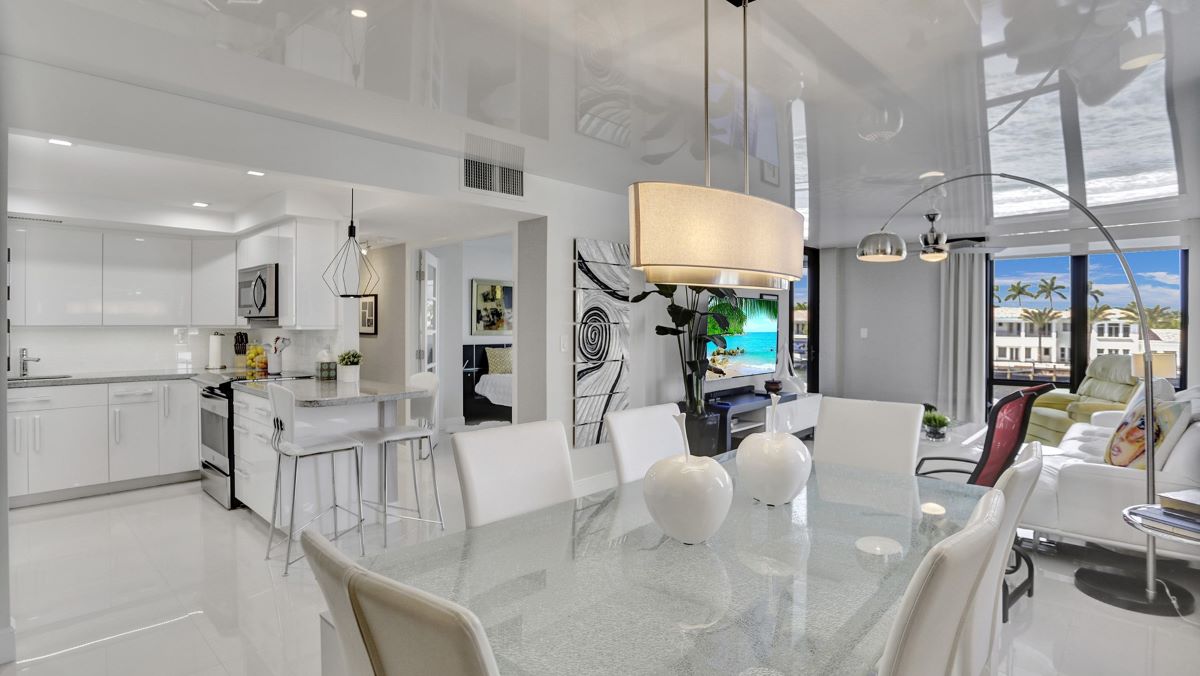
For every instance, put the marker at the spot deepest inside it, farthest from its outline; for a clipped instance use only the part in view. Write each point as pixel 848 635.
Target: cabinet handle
pixel 133 393
pixel 14 401
pixel 117 425
pixel 241 472
pixel 17 435
pixel 240 430
pixel 240 406
pixel 37 433
pixel 262 437
pixel 166 401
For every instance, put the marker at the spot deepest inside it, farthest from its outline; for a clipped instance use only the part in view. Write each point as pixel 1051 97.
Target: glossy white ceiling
pixel 605 92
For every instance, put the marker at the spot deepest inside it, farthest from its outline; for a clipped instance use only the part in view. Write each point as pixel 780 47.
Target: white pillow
pixel 1190 394
pixel 1163 391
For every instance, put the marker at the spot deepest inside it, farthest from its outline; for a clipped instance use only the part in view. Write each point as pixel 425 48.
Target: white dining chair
pixel 333 571
pixel 288 444
pixel 641 437
pixel 386 628
pixel 980 648
pixel 423 412
pixel 929 627
pixel 880 435
pixel 511 470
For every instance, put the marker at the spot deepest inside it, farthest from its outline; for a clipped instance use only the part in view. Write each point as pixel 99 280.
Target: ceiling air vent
pixel 493 166
pixel 32 219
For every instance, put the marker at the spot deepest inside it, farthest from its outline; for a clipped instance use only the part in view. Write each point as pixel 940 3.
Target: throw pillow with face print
pixel 1127 446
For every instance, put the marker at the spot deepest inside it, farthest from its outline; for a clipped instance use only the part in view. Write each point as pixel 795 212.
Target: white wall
pixel 385 354
pixel 897 305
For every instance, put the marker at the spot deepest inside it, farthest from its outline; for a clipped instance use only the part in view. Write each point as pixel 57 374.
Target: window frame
pixel 812 375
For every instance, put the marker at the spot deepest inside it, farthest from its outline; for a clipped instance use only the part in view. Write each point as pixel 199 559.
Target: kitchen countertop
pixel 322 393
pixel 100 378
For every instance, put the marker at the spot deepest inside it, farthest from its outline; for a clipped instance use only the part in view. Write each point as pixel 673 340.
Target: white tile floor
pixel 164 582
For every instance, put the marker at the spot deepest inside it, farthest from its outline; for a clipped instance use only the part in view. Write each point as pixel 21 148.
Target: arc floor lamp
pixel 1124 591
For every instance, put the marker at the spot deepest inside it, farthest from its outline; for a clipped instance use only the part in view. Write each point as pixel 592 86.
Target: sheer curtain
pixel 962 338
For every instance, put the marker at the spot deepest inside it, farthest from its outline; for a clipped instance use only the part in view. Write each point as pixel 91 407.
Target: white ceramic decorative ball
pixel 687 496
pixel 773 466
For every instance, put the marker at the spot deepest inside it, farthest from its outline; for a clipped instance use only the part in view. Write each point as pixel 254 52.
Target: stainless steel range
pixel 217 452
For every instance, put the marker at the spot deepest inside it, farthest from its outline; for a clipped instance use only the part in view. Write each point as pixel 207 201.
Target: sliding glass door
pixel 804 321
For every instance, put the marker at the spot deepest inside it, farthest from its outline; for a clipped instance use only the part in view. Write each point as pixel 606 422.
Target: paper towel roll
pixel 214 351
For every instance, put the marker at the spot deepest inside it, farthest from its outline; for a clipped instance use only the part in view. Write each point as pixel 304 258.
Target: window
pixel 1029 304
pixel 1161 279
pixel 1102 140
pixel 1101 317
pixel 804 321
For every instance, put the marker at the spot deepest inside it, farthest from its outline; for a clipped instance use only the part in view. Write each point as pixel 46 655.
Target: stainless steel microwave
pixel 258 294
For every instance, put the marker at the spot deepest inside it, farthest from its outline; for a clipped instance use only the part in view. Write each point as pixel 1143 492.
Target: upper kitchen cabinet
pixel 147 280
pixel 63 277
pixel 16 275
pixel 306 246
pixel 214 282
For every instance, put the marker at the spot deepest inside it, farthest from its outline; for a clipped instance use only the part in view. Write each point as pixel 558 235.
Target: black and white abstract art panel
pixel 590 434
pixel 602 275
pixel 599 342
pixel 593 409
pixel 599 251
pixel 592 379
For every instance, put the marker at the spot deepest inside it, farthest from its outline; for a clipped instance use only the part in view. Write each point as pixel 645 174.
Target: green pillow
pixel 499 359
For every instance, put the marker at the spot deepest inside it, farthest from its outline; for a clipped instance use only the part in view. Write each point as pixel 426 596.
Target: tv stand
pixel 731 403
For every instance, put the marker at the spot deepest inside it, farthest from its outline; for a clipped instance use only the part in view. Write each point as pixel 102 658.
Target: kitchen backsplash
pixel 100 349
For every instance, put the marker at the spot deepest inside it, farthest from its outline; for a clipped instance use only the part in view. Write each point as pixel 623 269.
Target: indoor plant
pixel 694 325
pixel 348 363
pixel 935 425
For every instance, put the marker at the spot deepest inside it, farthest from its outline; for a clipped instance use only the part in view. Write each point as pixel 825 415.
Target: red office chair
pixel 1007 423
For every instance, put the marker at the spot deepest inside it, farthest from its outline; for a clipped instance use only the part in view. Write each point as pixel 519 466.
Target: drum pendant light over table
pixel 350 274
pixel 704 236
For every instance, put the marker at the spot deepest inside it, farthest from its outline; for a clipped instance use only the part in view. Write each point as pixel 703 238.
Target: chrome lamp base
pixel 1128 591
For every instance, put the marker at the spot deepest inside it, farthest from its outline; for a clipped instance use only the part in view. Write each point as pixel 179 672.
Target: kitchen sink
pixel 39 377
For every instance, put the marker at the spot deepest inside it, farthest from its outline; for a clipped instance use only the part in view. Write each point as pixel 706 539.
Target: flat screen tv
pixel 751 341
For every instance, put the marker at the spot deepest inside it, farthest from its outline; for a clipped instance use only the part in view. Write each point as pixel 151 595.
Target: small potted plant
pixel 935 425
pixel 348 363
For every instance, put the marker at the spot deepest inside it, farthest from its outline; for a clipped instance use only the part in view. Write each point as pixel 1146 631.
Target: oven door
pixel 214 431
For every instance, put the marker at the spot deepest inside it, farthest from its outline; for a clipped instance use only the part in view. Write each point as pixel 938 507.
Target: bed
pixel 486 395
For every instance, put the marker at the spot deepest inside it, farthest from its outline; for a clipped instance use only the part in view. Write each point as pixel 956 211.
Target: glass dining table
pixel 592 586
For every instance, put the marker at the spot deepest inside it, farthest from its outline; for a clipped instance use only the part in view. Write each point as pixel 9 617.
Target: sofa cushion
pixel 1042 508
pixel 1051 418
pixel 1127 447
pixel 1184 461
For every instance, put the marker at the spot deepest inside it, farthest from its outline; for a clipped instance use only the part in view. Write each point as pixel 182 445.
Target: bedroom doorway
pixel 468 327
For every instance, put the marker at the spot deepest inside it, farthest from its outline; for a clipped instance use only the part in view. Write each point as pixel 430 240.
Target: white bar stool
pixel 424 411
pixel 288 445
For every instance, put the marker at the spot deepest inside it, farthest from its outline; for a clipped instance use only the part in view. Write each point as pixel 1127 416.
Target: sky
pixel 1157 272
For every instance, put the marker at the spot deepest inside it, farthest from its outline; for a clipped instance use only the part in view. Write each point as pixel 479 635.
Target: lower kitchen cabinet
pixel 18 458
pixel 179 427
pixel 66 447
pixel 133 441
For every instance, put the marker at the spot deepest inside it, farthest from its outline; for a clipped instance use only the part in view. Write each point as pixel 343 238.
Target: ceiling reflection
pixel 851 101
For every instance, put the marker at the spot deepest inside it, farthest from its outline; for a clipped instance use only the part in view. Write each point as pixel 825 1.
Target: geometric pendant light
pixel 703 236
pixel 350 274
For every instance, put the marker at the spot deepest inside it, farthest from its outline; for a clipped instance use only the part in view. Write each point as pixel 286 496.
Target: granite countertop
pixel 321 393
pixel 101 378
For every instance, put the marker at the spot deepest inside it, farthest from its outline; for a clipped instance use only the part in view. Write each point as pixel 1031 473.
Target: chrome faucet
pixel 25 359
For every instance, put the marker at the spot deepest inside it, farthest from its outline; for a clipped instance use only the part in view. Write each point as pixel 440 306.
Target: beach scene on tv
pixel 751 340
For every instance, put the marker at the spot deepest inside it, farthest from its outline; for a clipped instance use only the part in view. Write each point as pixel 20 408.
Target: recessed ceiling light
pixel 253 172
pixel 200 204
pixel 358 13
pixel 60 142
pixel 139 239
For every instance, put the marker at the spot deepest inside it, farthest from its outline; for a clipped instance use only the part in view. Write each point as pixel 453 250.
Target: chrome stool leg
pixel 437 498
pixel 412 461
pixel 362 543
pixel 333 485
pixel 383 496
pixel 287 557
pixel 274 506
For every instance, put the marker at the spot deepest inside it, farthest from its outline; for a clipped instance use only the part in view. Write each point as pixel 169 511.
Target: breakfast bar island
pixel 322 407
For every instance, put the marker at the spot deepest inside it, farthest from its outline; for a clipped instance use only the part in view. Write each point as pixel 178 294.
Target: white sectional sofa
pixel 1079 497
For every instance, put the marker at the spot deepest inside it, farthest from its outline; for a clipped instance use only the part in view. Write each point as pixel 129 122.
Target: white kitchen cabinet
pixel 260 248
pixel 133 430
pixel 67 448
pixel 178 427
pixel 147 280
pixel 133 441
pixel 18 456
pixel 306 246
pixel 63 273
pixel 214 282
pixel 16 275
